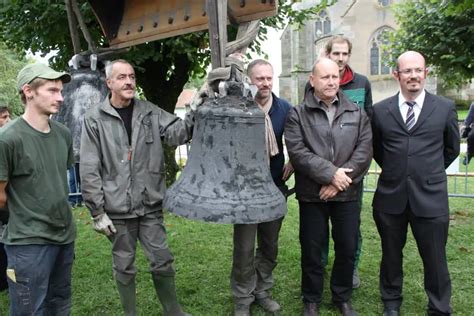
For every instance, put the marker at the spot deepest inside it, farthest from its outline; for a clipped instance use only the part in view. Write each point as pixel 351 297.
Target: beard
pixel 412 88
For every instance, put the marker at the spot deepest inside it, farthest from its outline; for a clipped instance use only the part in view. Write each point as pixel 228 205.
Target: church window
pixel 322 24
pixel 379 56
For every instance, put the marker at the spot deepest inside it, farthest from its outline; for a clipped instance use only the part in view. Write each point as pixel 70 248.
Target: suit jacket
pixel 413 162
pixel 470 116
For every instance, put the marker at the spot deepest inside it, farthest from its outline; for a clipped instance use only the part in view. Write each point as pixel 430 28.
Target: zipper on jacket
pixel 332 145
pixel 331 137
pixel 129 156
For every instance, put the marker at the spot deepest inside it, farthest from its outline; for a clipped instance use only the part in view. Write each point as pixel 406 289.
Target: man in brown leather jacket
pixel 329 141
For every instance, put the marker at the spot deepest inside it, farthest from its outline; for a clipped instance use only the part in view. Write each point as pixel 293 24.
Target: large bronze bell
pixel 86 88
pixel 227 177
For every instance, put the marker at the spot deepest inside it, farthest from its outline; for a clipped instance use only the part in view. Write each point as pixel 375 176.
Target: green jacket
pixel 122 180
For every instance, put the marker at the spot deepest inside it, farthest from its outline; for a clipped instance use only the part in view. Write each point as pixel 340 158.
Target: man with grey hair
pixel 252 278
pixel 329 141
pixel 122 173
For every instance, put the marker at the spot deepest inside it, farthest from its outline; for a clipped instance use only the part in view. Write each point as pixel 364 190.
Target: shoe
pixel 391 312
pixel 311 309
pixel 346 309
pixel 355 279
pixel 242 310
pixel 268 304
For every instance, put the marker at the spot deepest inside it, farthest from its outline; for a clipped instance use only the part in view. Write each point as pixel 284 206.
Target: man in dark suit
pixel 415 138
pixel 467 131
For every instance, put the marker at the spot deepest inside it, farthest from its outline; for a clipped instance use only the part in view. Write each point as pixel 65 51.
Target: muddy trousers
pixel 150 231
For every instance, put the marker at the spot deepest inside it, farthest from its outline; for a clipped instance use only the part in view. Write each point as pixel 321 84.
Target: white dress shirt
pixel 402 104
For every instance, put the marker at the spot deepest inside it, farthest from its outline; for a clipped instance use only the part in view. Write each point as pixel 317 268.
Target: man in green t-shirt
pixel 35 153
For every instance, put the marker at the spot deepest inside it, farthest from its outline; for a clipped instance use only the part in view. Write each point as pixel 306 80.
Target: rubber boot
pixel 128 297
pixel 166 290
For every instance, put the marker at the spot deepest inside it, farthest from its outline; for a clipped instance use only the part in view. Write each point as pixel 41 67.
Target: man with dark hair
pixel 123 184
pixel 329 141
pixel 357 88
pixel 252 278
pixel 35 153
pixel 416 137
pixel 4 115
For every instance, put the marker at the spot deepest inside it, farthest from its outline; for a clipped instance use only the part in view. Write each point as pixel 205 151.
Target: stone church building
pixel 362 21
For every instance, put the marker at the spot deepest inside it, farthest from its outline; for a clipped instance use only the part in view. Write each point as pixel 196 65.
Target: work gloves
pixel 102 224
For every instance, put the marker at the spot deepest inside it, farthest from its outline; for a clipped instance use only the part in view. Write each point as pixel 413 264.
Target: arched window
pixel 322 26
pixel 384 3
pixel 379 56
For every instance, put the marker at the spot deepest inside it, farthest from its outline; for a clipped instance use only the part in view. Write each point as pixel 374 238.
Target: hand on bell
pixel 198 98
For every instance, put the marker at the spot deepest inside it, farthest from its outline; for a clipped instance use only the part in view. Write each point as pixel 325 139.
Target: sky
pixel 272 47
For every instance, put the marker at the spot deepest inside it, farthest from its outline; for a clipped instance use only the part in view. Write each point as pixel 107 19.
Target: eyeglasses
pixel 410 70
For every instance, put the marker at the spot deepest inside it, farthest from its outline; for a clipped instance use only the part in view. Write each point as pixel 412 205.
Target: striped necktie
pixel 410 122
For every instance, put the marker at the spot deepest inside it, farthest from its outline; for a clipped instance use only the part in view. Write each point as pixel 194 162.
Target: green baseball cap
pixel 39 70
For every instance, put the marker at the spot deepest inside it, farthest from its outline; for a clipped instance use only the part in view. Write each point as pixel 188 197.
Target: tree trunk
pixel 171 167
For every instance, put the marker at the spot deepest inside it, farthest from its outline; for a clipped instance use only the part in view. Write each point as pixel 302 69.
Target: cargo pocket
pixel 21 298
pixel 147 127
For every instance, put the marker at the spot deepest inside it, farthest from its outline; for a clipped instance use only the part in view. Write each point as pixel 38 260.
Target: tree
pixel 442 31
pixel 163 67
pixel 10 64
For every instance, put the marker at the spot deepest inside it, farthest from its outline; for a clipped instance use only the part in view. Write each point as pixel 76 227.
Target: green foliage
pixel 10 64
pixel 442 31
pixel 462 104
pixel 42 27
pixel 298 18
pixel 195 82
pixel 287 15
pixel 163 67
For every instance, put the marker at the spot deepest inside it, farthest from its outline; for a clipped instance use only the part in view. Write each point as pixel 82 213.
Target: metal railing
pixel 460 182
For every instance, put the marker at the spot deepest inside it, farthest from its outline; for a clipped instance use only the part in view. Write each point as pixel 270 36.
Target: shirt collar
pixel 321 102
pixel 419 99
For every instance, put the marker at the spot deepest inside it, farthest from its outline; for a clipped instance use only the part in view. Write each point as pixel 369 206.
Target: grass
pixel 462 114
pixel 203 253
